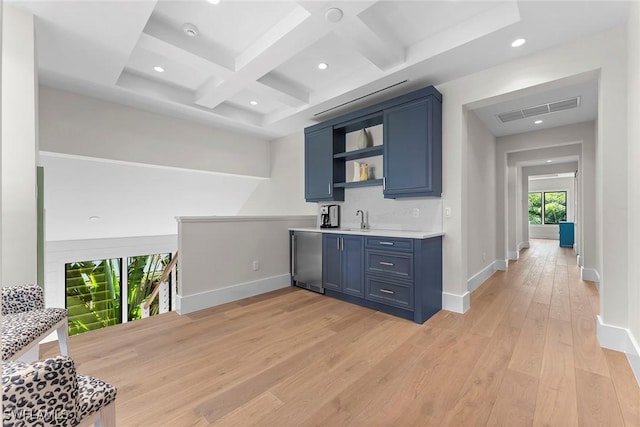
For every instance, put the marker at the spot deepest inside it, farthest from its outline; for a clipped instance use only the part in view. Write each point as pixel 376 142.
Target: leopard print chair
pixel 26 322
pixel 50 393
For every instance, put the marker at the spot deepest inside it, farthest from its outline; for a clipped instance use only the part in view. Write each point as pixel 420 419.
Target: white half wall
pixel 19 148
pixel 481 202
pixel 217 256
pixel 80 125
pixel 132 199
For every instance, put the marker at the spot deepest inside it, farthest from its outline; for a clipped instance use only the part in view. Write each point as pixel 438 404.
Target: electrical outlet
pixel 415 212
pixel 256 265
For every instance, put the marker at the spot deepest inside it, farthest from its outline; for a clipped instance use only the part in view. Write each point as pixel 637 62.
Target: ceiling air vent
pixel 538 110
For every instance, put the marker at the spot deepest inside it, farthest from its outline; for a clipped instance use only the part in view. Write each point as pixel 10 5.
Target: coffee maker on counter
pixel 329 216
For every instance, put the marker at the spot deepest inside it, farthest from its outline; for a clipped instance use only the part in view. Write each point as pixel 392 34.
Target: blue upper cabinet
pixel 412 149
pixel 318 168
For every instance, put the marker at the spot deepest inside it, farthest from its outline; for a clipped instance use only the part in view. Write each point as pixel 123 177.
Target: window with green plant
pixel 549 207
pixel 142 274
pixel 93 294
pixel 94 291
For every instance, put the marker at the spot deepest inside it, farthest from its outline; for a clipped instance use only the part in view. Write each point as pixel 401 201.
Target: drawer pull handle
pixel 387 243
pixel 390 264
pixel 386 291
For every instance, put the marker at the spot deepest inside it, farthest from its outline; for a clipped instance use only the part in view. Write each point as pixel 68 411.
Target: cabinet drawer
pixel 396 264
pixel 389 243
pixel 388 292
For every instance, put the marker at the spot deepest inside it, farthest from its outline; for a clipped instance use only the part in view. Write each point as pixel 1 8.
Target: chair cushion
pixel 94 395
pixel 40 393
pixel 21 329
pixel 16 299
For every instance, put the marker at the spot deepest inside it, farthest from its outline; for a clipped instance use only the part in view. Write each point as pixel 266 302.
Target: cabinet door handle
pixel 384 182
pixel 387 243
pixel 386 291
pixel 338 243
pixel 342 243
pixel 329 188
pixel 390 264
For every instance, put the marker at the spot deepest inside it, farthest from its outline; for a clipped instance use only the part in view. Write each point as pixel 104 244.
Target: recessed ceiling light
pixel 190 29
pixel 323 65
pixel 518 42
pixel 213 1
pixel 159 69
pixel 94 218
pixel 333 15
pixel 253 102
pixel 549 161
pixel 538 122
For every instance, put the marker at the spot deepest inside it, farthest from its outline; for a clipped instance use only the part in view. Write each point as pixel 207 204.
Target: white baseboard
pixel 191 303
pixel 523 245
pixel 514 255
pixel 590 274
pixel 480 277
pixel 501 264
pixel 455 303
pixel 620 339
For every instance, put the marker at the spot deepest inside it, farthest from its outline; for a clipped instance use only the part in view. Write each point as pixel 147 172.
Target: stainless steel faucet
pixel 363 224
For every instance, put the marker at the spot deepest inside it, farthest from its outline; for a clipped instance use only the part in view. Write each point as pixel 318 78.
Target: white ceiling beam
pixel 256 63
pixel 287 92
pixel 384 54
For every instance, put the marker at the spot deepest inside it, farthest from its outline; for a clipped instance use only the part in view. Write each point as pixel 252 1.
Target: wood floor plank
pixel 480 391
pixel 516 401
pixel 527 355
pixel 627 390
pixel 597 401
pixel 588 354
pixel 556 403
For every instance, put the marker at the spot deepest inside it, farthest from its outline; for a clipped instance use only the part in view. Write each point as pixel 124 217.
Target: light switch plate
pixel 447 212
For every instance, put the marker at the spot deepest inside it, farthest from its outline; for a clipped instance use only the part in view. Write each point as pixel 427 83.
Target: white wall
pixel 217 255
pixel 602 55
pixel 481 201
pixel 283 193
pixel 19 148
pixel 132 199
pixel 633 84
pixel 550 231
pixel 79 125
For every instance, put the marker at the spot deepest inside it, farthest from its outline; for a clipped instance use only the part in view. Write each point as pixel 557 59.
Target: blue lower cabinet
pixel 567 234
pixel 342 263
pixel 402 277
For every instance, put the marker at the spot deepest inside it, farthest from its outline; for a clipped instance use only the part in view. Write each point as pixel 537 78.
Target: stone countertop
pixel 374 232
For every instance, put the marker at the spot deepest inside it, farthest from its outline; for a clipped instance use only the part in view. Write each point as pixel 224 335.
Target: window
pixel 100 294
pixel 93 294
pixel 549 207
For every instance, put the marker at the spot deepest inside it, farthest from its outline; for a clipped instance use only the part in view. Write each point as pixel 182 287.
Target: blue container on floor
pixel 566 234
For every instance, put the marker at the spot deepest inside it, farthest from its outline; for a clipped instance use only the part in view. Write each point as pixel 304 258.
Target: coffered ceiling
pixel 253 65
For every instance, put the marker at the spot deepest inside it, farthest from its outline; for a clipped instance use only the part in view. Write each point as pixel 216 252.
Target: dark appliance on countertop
pixel 306 260
pixel 329 216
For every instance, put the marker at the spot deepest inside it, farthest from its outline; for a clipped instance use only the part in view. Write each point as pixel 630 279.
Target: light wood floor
pixel 524 354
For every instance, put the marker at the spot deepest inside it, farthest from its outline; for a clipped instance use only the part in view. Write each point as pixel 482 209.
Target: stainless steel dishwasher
pixel 306 260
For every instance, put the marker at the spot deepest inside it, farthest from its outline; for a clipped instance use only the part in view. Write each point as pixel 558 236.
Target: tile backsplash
pixel 388 214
